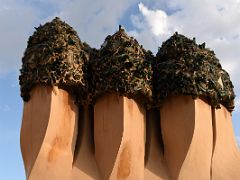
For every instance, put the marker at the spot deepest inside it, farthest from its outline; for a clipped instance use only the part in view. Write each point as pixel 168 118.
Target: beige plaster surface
pixel 48 134
pixel 226 155
pixel 187 137
pixel 119 138
pixel 33 128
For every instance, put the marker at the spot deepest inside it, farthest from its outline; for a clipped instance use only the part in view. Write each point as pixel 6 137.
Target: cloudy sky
pixel 215 22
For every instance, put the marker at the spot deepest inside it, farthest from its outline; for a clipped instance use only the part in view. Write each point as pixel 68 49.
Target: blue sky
pixel 215 22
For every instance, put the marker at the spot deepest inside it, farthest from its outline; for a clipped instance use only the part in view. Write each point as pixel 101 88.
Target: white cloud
pixel 157 20
pixel 17 22
pixel 93 20
pixel 215 22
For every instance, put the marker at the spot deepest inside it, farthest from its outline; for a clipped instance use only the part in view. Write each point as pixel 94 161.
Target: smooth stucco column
pixel 226 154
pixel 187 137
pixel 48 134
pixel 119 137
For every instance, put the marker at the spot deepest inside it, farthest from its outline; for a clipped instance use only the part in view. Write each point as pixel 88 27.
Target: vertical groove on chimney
pixel 147 135
pixel 91 119
pixel 79 132
pixel 153 128
pixel 214 136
